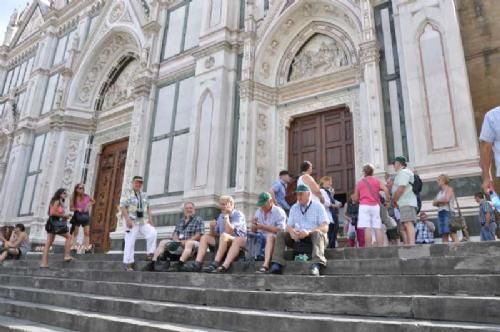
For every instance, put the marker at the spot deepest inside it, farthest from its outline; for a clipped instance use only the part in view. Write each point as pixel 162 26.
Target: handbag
pixel 57 225
pixel 384 214
pixel 457 222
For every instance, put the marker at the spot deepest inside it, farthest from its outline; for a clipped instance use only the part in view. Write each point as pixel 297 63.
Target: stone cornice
pixel 213 48
pixel 258 92
pixel 59 121
pixel 330 82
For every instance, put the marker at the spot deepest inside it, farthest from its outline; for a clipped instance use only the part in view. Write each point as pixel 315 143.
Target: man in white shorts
pixel 185 238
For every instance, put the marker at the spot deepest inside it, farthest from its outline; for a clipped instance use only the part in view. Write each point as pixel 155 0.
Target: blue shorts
pixel 444 222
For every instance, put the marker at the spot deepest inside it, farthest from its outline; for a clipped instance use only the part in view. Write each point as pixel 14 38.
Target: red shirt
pixel 366 194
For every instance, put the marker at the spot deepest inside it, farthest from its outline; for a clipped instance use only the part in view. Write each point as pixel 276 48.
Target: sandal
pixel 211 268
pixel 220 269
pixel 44 266
pixel 89 249
pixel 68 259
pixel 263 269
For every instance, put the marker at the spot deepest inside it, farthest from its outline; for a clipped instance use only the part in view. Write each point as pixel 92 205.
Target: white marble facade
pixel 176 97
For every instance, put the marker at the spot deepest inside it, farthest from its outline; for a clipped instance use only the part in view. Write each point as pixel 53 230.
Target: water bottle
pixel 495 200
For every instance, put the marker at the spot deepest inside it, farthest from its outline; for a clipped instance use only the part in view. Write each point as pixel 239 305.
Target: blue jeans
pixel 444 222
pixel 487 233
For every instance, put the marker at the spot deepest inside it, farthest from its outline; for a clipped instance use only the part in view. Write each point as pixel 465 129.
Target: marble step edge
pixel 467 310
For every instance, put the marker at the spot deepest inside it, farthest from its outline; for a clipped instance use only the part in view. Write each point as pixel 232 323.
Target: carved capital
pixel 369 52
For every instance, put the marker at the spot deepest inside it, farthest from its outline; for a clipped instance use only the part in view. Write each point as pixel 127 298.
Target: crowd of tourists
pixel 298 215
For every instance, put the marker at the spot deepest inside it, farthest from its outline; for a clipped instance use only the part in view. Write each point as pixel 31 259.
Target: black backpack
pixel 417 184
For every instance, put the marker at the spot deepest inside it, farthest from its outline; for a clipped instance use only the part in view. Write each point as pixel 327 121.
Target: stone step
pixel 462 249
pixel 394 266
pixel 84 321
pixel 451 308
pixel 9 324
pixel 476 285
pixel 236 319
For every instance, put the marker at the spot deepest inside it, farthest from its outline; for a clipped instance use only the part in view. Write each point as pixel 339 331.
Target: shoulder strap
pixel 372 191
pixel 458 205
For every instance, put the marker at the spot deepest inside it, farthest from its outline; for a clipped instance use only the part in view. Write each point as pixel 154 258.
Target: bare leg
pixel 410 232
pixel 188 251
pixel 270 240
pixel 159 250
pixel 45 254
pixel 86 237
pixel 75 235
pixel 3 256
pixel 454 236
pixel 224 244
pixel 234 250
pixel 67 246
pixel 380 237
pixel 368 237
pixel 205 241
pixel 446 238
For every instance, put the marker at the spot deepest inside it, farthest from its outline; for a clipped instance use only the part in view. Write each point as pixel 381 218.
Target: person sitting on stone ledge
pixel 185 238
pixel 227 236
pixel 268 221
pixel 18 245
pixel 308 222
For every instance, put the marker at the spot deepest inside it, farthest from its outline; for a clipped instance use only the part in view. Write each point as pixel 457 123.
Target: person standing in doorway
pixel 306 169
pixel 405 200
pixel 80 205
pixel 489 146
pixel 57 224
pixel 278 191
pixel 135 209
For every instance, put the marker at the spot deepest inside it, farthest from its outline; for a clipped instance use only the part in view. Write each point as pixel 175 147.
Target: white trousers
pixel 149 233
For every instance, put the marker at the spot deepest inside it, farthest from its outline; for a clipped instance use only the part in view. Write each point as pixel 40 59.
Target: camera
pixel 139 214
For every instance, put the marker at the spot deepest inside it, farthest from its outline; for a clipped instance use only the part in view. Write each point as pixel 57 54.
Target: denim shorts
pixel 444 222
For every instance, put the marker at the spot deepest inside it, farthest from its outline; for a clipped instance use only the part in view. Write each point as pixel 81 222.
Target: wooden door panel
pixel 107 193
pixel 325 139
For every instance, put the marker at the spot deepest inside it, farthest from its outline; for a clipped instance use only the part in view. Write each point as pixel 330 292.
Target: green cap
pixel 302 188
pixel 401 159
pixel 263 199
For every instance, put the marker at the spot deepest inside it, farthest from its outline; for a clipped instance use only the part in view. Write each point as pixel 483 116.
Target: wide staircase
pixel 422 288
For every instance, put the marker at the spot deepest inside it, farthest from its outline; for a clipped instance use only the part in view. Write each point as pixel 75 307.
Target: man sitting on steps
pixel 185 238
pixel 308 222
pixel 227 235
pixel 268 221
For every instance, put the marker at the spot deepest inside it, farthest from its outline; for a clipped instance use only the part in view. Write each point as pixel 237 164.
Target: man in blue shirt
pixel 308 222
pixel 490 144
pixel 228 235
pixel 278 191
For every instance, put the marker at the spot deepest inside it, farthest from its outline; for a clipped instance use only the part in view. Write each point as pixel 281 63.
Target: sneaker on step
pixel 276 269
pixel 211 268
pixel 129 267
pixel 315 269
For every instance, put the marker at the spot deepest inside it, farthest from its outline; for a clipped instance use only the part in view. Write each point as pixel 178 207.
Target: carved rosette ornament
pixel 116 12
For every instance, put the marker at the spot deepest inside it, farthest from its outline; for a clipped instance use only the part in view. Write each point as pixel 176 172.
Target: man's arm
pixel 386 193
pixel 398 193
pixel 196 237
pixel 150 217
pixel 486 155
pixel 431 226
pixel 228 227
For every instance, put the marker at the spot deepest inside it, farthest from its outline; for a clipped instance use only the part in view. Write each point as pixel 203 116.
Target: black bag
pixel 417 184
pixel 303 247
pixel 56 225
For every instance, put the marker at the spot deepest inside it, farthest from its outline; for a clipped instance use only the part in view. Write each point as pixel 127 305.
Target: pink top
pixel 83 204
pixel 365 192
pixel 56 210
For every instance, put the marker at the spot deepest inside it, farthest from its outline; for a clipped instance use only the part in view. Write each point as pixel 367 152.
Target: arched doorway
pixel 115 93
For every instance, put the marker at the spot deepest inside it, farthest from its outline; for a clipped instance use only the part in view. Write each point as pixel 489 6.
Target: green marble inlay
pixel 466 186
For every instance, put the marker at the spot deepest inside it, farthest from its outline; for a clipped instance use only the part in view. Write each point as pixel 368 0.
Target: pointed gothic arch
pixel 204 116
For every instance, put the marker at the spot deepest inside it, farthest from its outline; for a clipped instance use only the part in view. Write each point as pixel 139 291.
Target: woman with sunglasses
pixel 79 205
pixel 57 225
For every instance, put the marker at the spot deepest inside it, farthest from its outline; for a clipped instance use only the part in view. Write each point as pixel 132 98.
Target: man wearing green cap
pixel 185 238
pixel 268 221
pixel 308 222
pixel 405 199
